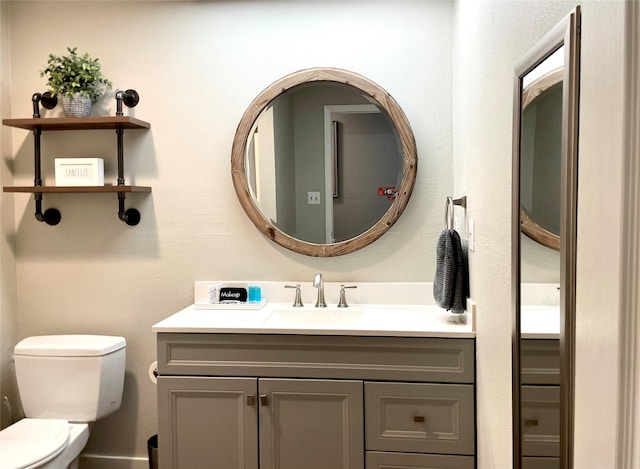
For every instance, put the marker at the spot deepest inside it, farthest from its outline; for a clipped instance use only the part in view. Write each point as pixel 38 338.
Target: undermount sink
pixel 313 316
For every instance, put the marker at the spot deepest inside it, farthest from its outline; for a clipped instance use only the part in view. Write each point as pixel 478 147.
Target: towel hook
pixel 449 210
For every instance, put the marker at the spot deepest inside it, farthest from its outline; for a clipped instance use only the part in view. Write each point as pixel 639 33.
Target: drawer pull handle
pixel 264 400
pixel 251 399
pixel 418 418
pixel 531 422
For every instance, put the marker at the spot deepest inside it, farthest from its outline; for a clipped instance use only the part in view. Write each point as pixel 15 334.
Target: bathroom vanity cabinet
pixel 540 397
pixel 279 401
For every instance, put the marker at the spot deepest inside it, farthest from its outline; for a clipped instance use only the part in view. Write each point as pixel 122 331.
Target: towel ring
pixel 449 210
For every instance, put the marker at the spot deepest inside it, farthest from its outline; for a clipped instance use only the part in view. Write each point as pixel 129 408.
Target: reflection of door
pixel 367 158
pixel 261 165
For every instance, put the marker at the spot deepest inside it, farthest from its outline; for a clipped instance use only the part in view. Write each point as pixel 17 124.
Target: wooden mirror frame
pixel 407 143
pixel 528 225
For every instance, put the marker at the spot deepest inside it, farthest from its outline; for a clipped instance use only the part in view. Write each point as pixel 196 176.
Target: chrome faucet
pixel 297 303
pixel 318 283
pixel 343 296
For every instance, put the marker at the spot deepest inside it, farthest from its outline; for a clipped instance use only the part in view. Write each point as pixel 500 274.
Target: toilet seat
pixel 30 443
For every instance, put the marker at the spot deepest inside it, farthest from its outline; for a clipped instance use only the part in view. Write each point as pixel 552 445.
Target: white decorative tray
pixel 247 306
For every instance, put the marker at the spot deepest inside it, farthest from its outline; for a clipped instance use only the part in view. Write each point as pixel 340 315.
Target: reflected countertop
pixel 540 322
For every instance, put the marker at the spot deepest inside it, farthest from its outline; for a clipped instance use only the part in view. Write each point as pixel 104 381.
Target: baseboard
pixel 96 461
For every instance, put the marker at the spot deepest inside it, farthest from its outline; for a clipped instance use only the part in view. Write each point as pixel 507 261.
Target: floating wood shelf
pixel 118 123
pixel 77 123
pixel 75 189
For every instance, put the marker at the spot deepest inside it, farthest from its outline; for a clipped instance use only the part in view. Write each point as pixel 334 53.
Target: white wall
pixel 599 296
pixel 483 86
pixel 491 37
pixel 196 67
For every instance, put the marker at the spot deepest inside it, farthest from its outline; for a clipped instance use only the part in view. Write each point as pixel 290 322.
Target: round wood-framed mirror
pixel 542 96
pixel 397 193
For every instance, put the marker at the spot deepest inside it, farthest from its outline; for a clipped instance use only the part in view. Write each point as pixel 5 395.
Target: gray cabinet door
pixel 207 423
pixel 311 424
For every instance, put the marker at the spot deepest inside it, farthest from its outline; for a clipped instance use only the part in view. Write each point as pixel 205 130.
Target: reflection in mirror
pixel 324 162
pixel 541 134
pixel 325 138
pixel 544 209
pixel 540 147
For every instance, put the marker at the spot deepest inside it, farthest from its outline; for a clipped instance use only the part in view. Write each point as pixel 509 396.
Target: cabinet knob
pixel 264 400
pixel 251 399
pixel 418 418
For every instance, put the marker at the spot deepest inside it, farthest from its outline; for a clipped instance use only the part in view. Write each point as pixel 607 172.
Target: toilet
pixel 65 383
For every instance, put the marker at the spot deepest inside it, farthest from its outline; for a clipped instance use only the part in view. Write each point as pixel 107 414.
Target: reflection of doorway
pixel 367 158
pixel 261 165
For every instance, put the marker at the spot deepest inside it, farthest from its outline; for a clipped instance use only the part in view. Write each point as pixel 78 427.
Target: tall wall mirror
pixel 324 162
pixel 544 222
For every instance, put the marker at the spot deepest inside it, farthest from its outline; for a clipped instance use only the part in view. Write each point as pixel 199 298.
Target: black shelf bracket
pixel 130 98
pixel 48 101
pixel 131 216
pixel 50 216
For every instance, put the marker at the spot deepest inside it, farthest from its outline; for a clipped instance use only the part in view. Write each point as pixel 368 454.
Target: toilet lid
pixel 75 345
pixel 32 441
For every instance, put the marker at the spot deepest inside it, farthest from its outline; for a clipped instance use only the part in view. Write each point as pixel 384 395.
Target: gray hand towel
pixel 450 283
pixel 445 264
pixel 460 283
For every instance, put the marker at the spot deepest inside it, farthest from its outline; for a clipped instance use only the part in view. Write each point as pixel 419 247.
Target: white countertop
pixel 540 322
pixel 359 320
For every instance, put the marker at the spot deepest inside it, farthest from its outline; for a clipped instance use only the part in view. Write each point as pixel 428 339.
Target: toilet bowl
pixel 64 382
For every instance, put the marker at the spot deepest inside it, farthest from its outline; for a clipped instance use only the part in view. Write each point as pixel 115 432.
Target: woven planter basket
pixel 76 106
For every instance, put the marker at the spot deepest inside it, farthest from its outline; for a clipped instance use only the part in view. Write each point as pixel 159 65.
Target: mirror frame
pixel 407 143
pixel 528 223
pixel 566 33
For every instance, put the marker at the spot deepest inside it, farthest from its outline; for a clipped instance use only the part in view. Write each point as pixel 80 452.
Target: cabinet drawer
pixel 540 463
pixel 540 361
pixel 380 460
pixel 421 418
pixel 306 356
pixel 540 420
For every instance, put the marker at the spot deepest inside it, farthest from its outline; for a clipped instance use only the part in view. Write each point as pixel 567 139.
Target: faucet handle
pixel 343 296
pixel 297 302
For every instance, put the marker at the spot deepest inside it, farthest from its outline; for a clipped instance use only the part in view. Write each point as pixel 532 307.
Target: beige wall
pixel 196 67
pixel 8 309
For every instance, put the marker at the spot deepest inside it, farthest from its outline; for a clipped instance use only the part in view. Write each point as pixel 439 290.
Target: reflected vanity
pixel 544 210
pixel 324 162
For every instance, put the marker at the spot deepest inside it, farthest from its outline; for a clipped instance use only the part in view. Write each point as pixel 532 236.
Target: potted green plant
pixel 77 79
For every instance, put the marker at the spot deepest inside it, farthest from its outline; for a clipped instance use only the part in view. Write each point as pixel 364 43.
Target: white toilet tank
pixel 78 378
